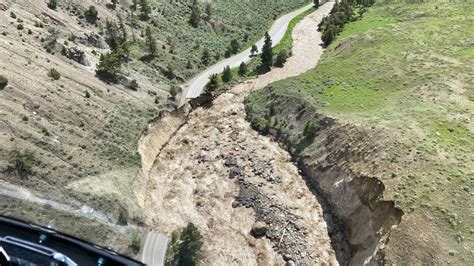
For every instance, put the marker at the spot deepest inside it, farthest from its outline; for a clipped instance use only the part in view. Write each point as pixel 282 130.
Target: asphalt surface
pixel 154 249
pixel 195 86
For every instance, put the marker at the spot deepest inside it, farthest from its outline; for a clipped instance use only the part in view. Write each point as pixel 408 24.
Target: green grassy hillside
pixel 408 69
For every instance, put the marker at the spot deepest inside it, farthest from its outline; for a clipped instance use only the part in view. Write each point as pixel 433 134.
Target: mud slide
pixel 240 188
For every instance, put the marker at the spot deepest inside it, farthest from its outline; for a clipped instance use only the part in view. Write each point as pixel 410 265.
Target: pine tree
pixel 112 38
pixel 208 11
pixel 91 14
pixel 328 35
pixel 195 15
pixel 234 46
pixel 281 58
pixel 109 67
pixel 316 3
pixel 190 247
pixel 150 42
pixel 206 57
pixel 123 29
pixel 212 86
pixel 243 69
pixel 267 54
pixel 227 74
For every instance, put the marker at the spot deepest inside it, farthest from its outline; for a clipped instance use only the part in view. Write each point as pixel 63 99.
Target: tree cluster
pixel 110 63
pixel 185 247
pixel 341 13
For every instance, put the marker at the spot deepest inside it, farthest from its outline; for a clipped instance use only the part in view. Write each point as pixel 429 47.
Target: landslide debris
pixel 216 164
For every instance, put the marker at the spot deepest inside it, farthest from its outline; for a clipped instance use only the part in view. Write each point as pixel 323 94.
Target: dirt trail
pixel 220 174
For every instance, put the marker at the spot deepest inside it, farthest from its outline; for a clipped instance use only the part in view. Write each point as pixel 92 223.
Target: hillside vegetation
pixel 401 76
pixel 65 133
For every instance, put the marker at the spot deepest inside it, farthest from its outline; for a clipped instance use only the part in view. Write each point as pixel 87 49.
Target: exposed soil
pixel 220 174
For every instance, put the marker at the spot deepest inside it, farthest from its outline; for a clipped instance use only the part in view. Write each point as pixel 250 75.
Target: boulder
pixel 94 40
pixel 77 55
pixel 235 172
pixel 230 161
pixel 259 229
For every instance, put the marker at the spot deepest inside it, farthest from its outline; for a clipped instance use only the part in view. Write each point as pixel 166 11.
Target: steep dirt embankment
pixel 220 174
pixel 152 141
pixel 338 162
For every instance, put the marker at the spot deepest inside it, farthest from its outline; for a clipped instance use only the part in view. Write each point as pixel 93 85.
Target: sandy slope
pixel 190 182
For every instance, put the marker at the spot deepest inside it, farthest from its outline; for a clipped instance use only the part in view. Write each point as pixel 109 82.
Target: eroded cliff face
pixel 152 141
pixel 340 163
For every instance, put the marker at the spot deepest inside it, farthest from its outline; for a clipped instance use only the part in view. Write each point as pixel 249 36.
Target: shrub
pixel 20 26
pixel 173 92
pixel 3 82
pixel 254 50
pixel 21 162
pixel 136 242
pixel 45 131
pixel 53 4
pixel 133 85
pixel 310 130
pixel 54 74
pixel 12 15
pixel 123 217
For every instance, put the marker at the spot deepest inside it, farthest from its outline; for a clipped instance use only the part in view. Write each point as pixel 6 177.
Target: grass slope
pixel 408 68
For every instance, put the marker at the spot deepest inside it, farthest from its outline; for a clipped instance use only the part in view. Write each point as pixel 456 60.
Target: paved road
pixel 154 249
pixel 195 86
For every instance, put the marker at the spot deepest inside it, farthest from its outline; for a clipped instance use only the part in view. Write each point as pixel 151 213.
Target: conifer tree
pixel 227 74
pixel 150 42
pixel 267 54
pixel 243 69
pixel 212 86
pixel 195 15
